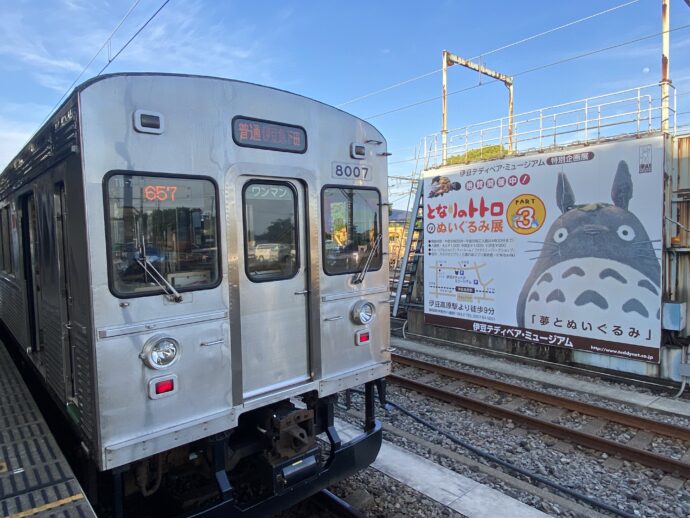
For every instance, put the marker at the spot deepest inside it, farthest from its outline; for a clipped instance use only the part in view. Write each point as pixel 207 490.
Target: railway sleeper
pixel 594 442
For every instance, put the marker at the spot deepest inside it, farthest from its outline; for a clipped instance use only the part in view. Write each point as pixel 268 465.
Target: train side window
pixel 161 225
pixel 270 231
pixel 6 241
pixel 351 225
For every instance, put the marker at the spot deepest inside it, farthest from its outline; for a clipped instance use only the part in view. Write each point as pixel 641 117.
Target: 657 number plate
pixel 343 171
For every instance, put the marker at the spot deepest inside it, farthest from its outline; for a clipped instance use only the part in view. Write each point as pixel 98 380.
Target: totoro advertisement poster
pixel 561 248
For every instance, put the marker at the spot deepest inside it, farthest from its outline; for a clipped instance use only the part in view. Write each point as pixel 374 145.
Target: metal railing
pixel 634 111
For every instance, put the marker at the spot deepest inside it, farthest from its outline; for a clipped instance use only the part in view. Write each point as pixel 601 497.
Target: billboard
pixel 561 248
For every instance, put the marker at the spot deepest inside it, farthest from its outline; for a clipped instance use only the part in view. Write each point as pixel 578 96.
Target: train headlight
pixel 363 312
pixel 160 352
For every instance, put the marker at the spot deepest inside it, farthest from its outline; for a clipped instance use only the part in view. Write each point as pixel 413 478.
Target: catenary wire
pixel 133 36
pixel 528 71
pixel 107 40
pixel 498 49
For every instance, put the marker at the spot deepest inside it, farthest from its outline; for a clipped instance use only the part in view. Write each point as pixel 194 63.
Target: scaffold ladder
pixel 414 249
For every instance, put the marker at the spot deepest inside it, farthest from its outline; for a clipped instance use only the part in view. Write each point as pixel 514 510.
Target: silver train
pixel 195 268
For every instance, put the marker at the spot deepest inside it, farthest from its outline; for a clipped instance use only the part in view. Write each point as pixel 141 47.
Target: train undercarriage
pixel 277 456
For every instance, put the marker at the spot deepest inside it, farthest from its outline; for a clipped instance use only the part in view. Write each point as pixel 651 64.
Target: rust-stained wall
pixel 681 243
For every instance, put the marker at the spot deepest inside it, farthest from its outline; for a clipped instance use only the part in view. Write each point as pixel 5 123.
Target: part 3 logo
pixel 526 214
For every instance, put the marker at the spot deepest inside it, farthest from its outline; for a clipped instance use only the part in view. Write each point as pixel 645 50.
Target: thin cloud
pixel 21 44
pixel 57 82
pixel 75 5
pixel 28 44
pixel 186 37
pixel 650 48
pixel 18 122
pixel 183 40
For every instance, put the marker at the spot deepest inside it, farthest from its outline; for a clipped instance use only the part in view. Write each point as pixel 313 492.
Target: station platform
pixel 35 479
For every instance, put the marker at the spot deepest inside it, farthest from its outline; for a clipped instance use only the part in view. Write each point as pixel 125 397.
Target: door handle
pixel 303 292
pixel 214 342
pixel 68 326
pixel 332 319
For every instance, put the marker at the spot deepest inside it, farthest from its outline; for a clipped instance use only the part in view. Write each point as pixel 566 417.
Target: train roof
pixel 94 80
pixel 22 166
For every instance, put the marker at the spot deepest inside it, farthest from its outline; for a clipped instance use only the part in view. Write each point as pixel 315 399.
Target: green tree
pixel 483 153
pixel 279 231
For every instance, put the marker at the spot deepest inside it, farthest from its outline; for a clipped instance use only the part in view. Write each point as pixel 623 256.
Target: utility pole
pixel 449 60
pixel 665 81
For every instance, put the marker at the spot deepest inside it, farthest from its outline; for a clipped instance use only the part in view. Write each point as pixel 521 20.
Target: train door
pixel 65 296
pixel 274 285
pixel 32 271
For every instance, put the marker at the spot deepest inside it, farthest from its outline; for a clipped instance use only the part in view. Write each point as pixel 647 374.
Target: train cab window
pixel 161 228
pixel 351 226
pixel 270 231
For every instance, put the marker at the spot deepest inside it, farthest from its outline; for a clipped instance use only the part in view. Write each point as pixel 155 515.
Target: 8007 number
pixel 350 172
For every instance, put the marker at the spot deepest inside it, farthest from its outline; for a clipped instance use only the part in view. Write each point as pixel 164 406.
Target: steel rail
pixel 336 505
pixel 644 457
pixel 608 375
pixel 643 423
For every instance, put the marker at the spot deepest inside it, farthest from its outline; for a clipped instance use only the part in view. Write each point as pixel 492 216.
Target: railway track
pixel 647 427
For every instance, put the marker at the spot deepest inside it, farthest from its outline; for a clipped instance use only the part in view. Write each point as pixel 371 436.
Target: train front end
pixel 241 283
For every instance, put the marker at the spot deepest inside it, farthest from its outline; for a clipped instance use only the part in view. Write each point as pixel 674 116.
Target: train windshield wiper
pixel 359 276
pixel 143 261
pixel 158 278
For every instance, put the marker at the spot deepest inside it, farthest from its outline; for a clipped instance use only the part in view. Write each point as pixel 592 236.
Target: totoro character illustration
pixel 597 265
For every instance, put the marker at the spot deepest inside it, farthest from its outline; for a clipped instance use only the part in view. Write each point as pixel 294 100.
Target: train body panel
pixel 231 232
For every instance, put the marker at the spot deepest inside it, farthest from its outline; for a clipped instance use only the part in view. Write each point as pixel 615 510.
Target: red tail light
pixel 362 337
pixel 165 386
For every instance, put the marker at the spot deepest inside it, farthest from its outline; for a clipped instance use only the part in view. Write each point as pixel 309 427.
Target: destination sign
pixel 262 134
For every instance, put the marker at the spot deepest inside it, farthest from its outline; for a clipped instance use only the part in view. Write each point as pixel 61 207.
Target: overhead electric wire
pixel 402 197
pixel 564 26
pixel 107 40
pixel 529 71
pixel 431 99
pixel 133 36
pixel 498 49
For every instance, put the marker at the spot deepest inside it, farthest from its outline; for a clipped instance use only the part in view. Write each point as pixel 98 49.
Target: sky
pixel 337 52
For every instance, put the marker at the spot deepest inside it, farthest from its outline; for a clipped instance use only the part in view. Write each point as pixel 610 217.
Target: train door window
pixel 270 231
pixel 5 230
pixel 9 263
pixel 61 249
pixel 351 226
pixel 161 226
pixel 33 274
pixel 2 240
